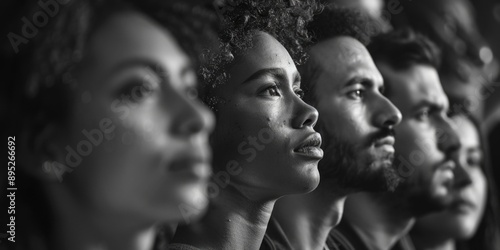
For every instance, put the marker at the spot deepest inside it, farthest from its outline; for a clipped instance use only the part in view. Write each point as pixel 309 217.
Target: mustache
pixel 385 132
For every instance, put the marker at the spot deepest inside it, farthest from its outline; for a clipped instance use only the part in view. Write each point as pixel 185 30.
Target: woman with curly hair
pixel 110 138
pixel 264 143
pixel 471 222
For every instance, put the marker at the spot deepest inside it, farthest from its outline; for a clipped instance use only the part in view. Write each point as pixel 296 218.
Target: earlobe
pixel 42 153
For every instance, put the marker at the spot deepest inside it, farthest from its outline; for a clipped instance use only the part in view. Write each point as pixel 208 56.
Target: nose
pixel 192 117
pixel 305 115
pixel 386 114
pixel 448 140
pixel 461 175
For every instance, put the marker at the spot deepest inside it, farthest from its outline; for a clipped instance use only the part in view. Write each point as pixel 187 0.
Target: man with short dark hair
pixel 425 144
pixel 356 123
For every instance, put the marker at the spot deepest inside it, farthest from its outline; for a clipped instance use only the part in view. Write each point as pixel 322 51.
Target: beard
pixel 417 196
pixel 342 169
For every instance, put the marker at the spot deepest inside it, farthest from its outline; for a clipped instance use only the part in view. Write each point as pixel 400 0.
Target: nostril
pixel 308 122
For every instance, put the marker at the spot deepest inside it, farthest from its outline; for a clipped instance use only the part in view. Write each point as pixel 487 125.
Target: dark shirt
pixel 343 237
pixel 275 238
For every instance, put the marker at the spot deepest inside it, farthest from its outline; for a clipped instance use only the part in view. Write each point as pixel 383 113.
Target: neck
pixel 233 221
pixel 425 241
pixel 81 228
pixel 312 218
pixel 378 221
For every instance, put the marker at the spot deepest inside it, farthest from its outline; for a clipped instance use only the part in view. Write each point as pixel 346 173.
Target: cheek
pixel 349 125
pixel 414 144
pixel 479 190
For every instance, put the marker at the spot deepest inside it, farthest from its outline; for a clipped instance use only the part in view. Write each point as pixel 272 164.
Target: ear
pixel 42 153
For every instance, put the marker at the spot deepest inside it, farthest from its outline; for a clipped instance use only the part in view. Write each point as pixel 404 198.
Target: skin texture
pixel 461 220
pixel 425 139
pixel 355 116
pixel 240 211
pixel 157 155
pixel 267 104
pixel 426 142
pixel 348 95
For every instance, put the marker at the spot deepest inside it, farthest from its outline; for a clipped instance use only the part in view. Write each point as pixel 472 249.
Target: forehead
pixel 341 59
pixel 131 36
pixel 266 52
pixel 412 86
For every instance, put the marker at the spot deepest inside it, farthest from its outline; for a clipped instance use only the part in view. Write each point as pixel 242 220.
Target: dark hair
pixel 334 21
pixel 285 20
pixel 487 235
pixel 404 48
pixel 39 76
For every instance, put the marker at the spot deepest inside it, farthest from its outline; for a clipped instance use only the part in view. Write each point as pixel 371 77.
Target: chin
pixel 425 202
pixel 190 203
pixel 303 182
pixel 466 228
pixel 311 181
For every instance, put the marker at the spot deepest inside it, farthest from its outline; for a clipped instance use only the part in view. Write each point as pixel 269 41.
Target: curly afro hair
pixel 285 20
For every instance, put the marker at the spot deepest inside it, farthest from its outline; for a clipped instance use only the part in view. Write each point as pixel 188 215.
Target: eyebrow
pixel 430 104
pixel 154 66
pixel 137 62
pixel 278 73
pixel 365 81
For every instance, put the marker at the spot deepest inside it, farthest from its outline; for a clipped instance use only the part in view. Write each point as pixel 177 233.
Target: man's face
pixel 356 120
pixel 425 139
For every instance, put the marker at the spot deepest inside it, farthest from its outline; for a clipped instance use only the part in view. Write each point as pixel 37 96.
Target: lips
pixel 444 177
pixel 388 140
pixel 195 165
pixel 310 147
pixel 462 205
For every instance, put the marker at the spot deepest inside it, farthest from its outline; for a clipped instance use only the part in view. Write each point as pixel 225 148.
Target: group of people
pixel 238 124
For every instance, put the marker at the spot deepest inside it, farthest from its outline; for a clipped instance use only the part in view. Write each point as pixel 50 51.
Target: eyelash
pixel 360 95
pixel 192 93
pixel 300 93
pixel 268 89
pixel 423 114
pixel 137 90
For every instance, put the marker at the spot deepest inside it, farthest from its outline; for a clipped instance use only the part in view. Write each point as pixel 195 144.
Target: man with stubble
pixel 356 123
pixel 425 144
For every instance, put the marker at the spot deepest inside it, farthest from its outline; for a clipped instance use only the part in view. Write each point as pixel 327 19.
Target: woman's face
pixel 263 127
pixel 138 138
pixel 461 219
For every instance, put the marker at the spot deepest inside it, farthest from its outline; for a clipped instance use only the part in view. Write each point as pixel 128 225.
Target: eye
pixel 137 90
pixel 299 93
pixel 271 91
pixel 474 160
pixel 191 93
pixel 136 85
pixel 422 114
pixel 356 94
